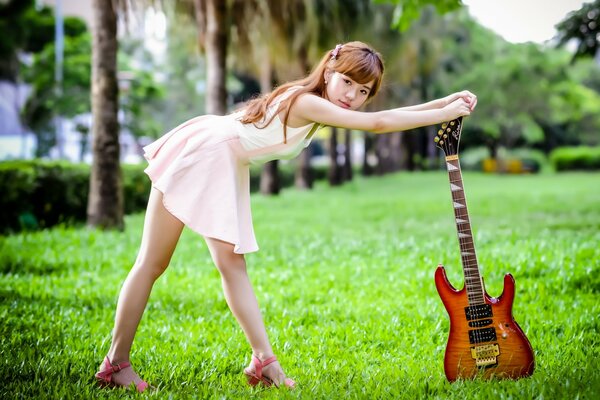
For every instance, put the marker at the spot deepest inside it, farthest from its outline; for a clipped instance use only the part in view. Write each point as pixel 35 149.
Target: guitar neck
pixel 473 282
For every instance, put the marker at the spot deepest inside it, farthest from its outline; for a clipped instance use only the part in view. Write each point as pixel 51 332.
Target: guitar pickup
pixel 482 335
pixel 480 323
pixel 478 311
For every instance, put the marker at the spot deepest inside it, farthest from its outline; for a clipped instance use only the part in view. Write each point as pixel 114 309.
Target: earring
pixel 326 82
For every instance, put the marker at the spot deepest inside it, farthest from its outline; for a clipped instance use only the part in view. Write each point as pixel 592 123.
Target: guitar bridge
pixel 485 355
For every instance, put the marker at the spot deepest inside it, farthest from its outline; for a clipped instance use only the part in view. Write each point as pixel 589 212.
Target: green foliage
pixel 45 101
pixel 583 26
pixel 528 95
pixel 407 11
pixel 41 194
pixel 141 94
pixel 576 158
pixel 345 280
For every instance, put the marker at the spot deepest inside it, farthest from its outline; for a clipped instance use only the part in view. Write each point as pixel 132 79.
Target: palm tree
pixel 211 20
pixel 105 203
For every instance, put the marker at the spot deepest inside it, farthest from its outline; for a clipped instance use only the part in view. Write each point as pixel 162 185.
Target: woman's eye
pixel 347 81
pixel 364 92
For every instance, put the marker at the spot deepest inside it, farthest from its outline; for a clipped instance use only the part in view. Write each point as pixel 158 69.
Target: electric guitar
pixel 485 340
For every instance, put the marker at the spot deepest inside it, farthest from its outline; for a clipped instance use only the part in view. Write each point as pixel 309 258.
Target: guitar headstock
pixel 448 136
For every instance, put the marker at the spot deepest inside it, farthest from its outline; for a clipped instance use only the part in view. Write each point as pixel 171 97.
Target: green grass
pixel 345 279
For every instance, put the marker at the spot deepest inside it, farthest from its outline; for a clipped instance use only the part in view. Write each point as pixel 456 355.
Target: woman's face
pixel 342 91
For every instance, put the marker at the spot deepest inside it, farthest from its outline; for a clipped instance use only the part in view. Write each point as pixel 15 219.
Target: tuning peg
pixel 444 125
pixel 445 136
pixel 436 139
pixel 452 123
pixel 441 142
pixel 440 132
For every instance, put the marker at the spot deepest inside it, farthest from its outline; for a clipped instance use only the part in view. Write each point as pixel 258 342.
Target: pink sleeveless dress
pixel 202 169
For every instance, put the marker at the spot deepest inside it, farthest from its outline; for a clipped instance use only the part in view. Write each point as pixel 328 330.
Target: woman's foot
pixel 119 374
pixel 268 371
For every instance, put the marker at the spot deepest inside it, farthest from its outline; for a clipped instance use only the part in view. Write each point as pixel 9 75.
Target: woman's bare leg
pixel 159 238
pixel 242 302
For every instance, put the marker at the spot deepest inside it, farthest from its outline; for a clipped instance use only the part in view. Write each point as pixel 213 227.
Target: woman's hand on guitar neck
pixel 467 96
pixel 459 104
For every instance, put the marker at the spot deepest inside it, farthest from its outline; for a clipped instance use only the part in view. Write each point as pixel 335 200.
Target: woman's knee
pixel 153 268
pixel 229 263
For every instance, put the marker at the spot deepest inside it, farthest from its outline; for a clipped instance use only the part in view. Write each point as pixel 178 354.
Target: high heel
pixel 255 377
pixel 104 377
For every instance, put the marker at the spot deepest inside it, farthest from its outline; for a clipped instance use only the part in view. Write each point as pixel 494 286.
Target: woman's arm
pixel 313 108
pixel 431 105
pixel 443 102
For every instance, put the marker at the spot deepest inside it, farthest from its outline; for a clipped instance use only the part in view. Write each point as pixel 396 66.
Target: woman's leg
pixel 242 302
pixel 159 238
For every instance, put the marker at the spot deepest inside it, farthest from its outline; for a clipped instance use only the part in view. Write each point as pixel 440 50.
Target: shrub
pixel 40 194
pixel 576 158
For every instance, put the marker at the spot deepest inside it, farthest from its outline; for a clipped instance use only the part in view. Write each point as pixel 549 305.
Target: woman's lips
pixel 344 104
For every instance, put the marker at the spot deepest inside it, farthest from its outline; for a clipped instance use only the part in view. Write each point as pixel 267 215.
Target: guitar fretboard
pixel 473 283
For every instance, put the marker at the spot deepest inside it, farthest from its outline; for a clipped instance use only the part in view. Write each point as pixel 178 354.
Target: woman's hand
pixel 467 96
pixel 458 108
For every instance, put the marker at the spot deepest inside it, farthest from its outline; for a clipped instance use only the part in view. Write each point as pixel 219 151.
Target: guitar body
pixel 508 355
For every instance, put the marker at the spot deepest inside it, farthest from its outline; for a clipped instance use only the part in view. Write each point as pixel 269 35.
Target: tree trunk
pixel 304 178
pixel 211 18
pixel 433 161
pixel 270 182
pixel 408 151
pixel 105 204
pixel 395 151
pixel 384 154
pixel 269 178
pixel 367 169
pixel 347 167
pixel 335 172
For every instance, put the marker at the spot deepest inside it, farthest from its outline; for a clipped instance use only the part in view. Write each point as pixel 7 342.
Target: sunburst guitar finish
pixel 485 340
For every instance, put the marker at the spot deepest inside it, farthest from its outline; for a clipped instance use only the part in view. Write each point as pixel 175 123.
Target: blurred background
pixel 85 84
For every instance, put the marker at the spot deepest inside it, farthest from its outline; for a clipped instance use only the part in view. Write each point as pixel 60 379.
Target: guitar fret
pixel 473 282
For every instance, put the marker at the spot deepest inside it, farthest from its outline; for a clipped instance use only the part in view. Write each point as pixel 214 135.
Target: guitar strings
pixel 462 242
pixel 464 246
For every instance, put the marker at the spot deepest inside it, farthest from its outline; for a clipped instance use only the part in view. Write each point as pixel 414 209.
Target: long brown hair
pixel 355 59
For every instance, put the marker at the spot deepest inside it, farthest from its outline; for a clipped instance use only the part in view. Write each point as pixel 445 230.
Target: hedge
pixel 576 158
pixel 39 194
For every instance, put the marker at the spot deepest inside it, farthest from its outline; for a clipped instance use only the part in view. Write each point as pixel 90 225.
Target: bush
pixel 40 194
pixel 576 158
pixel 17 180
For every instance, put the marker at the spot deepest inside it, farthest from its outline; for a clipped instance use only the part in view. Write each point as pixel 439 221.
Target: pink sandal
pixel 255 377
pixel 104 377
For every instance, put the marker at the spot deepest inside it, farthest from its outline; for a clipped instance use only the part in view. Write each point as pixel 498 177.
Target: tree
pixel 44 102
pixel 29 30
pixel 407 11
pixel 105 204
pixel 582 26
pixel 528 95
pixel 212 23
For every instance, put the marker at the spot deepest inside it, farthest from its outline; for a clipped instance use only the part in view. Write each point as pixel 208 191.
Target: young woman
pixel 200 178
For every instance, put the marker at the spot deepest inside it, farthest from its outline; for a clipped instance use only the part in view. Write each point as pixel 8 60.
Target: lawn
pixel 345 280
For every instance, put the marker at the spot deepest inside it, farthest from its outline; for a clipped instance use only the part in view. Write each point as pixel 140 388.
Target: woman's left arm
pixel 443 102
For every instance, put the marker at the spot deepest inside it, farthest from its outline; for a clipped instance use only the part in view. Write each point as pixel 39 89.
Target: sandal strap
pixel 110 368
pixel 259 365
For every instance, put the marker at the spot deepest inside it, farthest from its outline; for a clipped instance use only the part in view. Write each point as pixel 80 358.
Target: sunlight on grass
pixel 345 279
